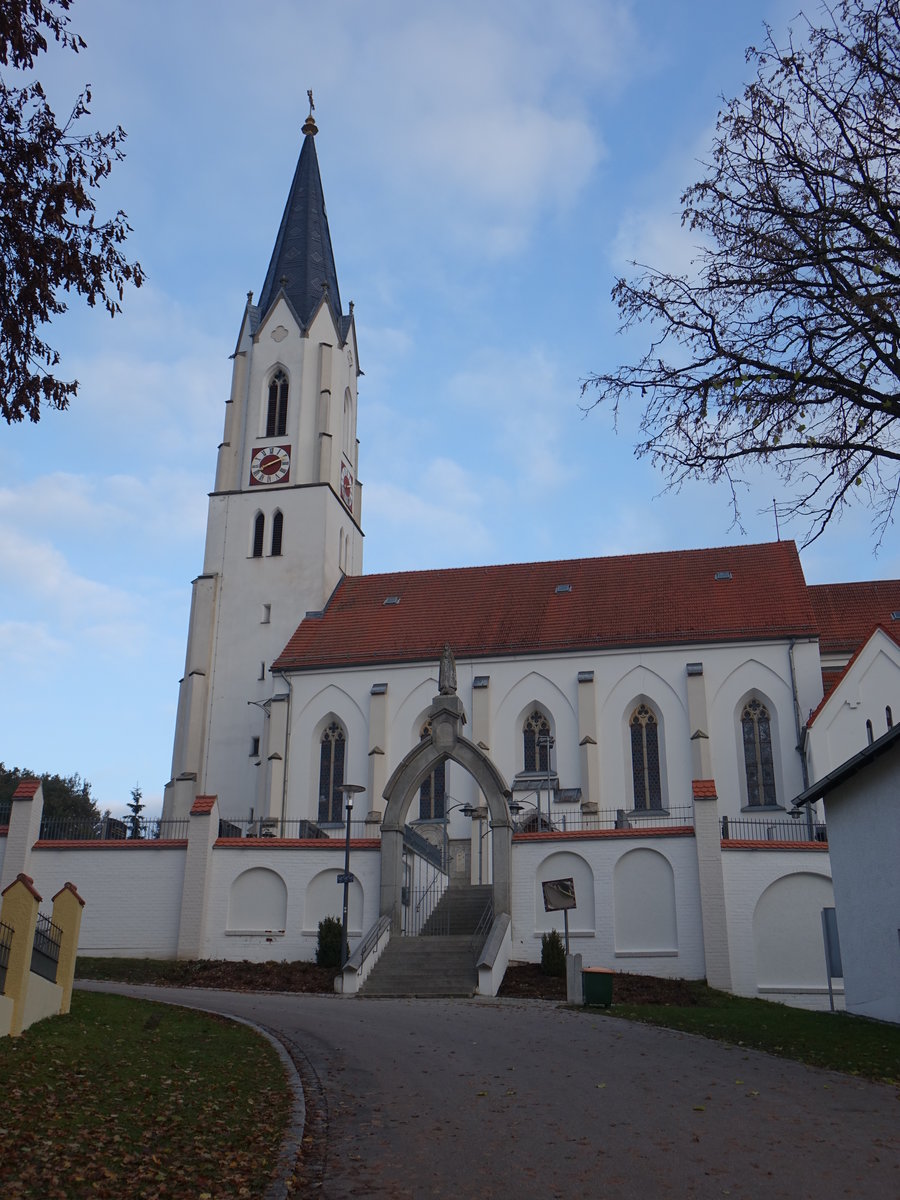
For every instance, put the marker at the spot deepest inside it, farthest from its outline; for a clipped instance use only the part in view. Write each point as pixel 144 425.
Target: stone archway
pixel 446 716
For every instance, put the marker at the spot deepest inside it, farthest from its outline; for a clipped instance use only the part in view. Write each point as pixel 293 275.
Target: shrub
pixel 553 954
pixel 328 948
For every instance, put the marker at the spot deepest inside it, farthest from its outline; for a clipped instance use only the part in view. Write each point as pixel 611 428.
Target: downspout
pixel 287 746
pixel 801 730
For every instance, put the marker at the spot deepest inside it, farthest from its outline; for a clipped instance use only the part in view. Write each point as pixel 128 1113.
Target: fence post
pixel 19 910
pixel 713 910
pixel 24 830
pixel 202 833
pixel 67 910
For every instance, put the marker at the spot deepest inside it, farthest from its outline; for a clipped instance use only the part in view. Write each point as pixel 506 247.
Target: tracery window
pixel 536 738
pixel 331 773
pixel 433 789
pixel 277 531
pixel 756 731
pixel 259 532
pixel 645 771
pixel 276 413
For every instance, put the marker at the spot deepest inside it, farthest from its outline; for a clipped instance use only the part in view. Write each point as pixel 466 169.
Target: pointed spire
pixel 302 262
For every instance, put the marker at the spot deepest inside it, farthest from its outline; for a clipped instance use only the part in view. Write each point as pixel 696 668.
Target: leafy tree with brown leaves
pixel 781 347
pixel 51 241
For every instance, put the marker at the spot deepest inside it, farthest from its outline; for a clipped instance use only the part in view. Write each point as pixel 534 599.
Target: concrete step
pixel 432 966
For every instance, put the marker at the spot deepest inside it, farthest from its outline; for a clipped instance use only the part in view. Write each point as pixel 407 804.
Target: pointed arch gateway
pixel 444 744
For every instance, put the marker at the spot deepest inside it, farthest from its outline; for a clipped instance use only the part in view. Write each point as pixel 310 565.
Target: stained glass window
pixel 645 758
pixel 331 774
pixel 756 731
pixel 432 791
pixel 536 736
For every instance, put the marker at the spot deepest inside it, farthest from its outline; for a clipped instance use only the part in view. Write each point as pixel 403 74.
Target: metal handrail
pixel 368 944
pixel 483 928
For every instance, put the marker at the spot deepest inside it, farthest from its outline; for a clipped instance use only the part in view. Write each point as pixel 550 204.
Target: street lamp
pixel 350 790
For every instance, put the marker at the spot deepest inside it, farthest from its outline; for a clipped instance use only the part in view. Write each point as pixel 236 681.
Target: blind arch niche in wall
pixel 257 902
pixel 644 903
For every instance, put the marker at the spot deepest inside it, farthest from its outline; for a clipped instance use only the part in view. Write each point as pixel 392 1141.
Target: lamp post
pixel 350 790
pixel 467 810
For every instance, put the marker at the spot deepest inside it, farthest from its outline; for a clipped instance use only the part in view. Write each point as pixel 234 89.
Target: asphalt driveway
pixel 528 1099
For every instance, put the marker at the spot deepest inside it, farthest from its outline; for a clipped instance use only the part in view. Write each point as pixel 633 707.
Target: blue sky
pixel 488 171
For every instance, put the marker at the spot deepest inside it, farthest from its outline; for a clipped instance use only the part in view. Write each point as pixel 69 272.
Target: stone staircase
pixel 441 960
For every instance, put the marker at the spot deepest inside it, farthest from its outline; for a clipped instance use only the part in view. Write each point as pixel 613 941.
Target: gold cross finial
pixel 309 125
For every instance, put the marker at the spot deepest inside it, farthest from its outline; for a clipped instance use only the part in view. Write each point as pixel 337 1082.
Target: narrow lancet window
pixel 276 413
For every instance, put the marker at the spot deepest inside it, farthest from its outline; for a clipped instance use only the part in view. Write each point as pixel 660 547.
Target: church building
pixel 635 728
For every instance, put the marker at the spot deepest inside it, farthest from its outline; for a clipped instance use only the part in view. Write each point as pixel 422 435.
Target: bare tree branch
pixel 783 344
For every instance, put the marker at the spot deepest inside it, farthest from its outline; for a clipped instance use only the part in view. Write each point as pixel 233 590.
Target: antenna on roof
pixel 775 511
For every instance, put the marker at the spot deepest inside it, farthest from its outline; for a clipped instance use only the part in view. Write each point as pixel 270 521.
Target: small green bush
pixel 328 948
pixel 553 954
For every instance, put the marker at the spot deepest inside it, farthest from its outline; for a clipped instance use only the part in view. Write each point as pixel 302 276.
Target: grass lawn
pixel 124 1097
pixel 835 1041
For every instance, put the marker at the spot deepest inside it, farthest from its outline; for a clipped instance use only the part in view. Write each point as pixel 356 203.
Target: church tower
pixel 284 518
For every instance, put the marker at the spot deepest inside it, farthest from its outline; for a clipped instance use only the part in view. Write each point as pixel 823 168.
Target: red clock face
pixel 346 486
pixel 270 464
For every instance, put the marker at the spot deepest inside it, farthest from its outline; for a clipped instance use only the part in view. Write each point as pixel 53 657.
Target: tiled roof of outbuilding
pixel 846 613
pixel 670 598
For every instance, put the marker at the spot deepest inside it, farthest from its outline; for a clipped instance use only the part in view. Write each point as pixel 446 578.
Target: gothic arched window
pixel 432 791
pixel 277 531
pixel 276 413
pixel 347 440
pixel 645 771
pixel 536 738
pixel 259 532
pixel 331 773
pixel 756 733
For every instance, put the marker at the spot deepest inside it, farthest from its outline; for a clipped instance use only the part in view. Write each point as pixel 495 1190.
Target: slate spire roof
pixel 303 260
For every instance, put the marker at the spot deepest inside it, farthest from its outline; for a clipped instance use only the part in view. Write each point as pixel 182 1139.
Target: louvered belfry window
pixel 276 413
pixel 259 532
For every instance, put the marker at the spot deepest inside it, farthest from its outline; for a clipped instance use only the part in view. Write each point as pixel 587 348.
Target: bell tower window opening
pixel 645 771
pixel 759 765
pixel 259 533
pixel 277 530
pixel 535 736
pixel 347 431
pixel 276 413
pixel 331 773
pixel 433 789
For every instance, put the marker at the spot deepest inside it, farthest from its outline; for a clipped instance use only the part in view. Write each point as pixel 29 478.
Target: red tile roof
pixel 846 613
pixel 704 789
pixel 671 598
pixel 202 805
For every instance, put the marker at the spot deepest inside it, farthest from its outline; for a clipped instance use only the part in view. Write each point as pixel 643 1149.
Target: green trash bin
pixel 597 985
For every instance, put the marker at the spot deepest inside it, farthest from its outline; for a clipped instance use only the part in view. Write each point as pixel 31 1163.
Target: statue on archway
pixel 447 672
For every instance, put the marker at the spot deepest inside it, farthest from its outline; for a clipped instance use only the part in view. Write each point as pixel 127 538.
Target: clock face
pixel 347 486
pixel 270 464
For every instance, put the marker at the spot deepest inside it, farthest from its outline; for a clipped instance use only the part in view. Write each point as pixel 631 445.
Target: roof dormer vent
pixel 723 575
pixel 391 600
pixel 563 587
pixel 895 615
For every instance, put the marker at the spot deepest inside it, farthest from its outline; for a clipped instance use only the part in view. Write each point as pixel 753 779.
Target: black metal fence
pixel 756 829
pixel 6 937
pixel 45 950
pixel 111 829
pixel 605 818
pixel 274 827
